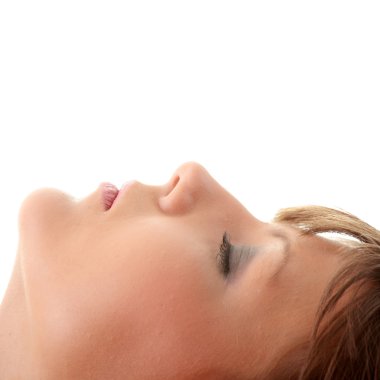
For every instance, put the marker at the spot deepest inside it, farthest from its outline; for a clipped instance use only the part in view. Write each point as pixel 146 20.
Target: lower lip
pixel 110 193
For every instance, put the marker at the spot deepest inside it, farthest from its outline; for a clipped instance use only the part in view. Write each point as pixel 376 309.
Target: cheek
pixel 124 308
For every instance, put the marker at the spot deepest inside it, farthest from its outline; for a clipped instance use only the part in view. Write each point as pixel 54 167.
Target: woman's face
pixel 137 292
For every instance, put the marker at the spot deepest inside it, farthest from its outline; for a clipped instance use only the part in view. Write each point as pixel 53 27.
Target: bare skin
pixel 136 292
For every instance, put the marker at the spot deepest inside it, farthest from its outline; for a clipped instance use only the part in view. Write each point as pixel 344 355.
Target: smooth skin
pixel 136 292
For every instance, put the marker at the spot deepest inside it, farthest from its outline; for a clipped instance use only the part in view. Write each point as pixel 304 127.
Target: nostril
pixel 172 184
pixel 178 197
pixel 175 181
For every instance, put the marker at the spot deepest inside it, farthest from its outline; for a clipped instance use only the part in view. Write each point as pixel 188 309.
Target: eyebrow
pixel 279 233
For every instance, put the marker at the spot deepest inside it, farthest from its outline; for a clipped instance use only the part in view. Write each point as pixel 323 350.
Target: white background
pixel 279 100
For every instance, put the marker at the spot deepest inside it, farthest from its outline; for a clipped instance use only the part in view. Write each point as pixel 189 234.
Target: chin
pixel 41 207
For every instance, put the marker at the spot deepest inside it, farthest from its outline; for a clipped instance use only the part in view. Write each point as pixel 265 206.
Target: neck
pixel 14 330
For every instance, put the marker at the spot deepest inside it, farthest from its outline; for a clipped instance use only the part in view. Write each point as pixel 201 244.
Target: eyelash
pixel 224 254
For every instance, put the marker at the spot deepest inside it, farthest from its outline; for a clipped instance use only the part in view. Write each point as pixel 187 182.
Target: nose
pixel 189 184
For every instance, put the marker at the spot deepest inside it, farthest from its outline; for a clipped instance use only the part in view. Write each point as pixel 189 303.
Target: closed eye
pixel 223 256
pixel 231 257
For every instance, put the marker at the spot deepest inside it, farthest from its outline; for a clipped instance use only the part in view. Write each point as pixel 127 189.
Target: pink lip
pixel 110 193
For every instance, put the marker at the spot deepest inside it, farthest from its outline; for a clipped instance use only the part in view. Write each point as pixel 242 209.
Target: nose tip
pixel 184 189
pixel 189 167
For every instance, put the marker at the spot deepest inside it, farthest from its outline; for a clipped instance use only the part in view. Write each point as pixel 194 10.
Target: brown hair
pixel 345 344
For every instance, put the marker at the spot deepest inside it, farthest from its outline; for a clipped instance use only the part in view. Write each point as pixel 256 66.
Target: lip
pixel 110 193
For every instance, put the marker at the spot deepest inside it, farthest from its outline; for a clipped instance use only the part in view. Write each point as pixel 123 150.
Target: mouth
pixel 109 194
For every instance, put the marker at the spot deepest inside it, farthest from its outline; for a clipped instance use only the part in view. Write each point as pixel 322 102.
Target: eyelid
pixel 240 257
